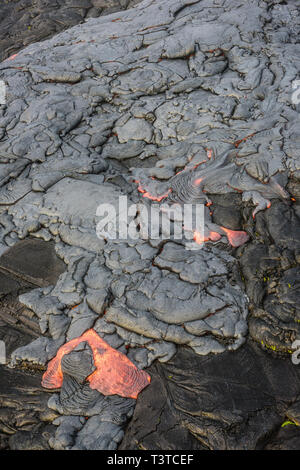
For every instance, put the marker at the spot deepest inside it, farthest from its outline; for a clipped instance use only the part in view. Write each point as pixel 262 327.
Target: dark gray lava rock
pixel 227 210
pixel 79 363
pixel 232 401
pixel 27 440
pixel 270 265
pixel 23 402
pixel 23 22
pixel 199 94
pixel 34 261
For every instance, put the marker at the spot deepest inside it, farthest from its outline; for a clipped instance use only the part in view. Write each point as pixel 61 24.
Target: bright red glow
pixel 115 374
pixel 213 236
pixel 75 306
pixel 197 181
pixel 238 142
pixel 148 195
pixel 200 163
pixel 209 153
pixel 156 198
pixel 235 237
pixel 12 57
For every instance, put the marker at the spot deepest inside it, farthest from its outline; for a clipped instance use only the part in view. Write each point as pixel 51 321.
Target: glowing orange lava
pixel 12 57
pixel 148 195
pixel 238 142
pixel 235 237
pixel 75 306
pixel 197 181
pixel 155 198
pixel 200 163
pixel 209 153
pixel 213 236
pixel 115 374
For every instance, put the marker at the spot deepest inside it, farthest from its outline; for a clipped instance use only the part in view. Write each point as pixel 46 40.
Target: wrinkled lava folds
pixel 115 374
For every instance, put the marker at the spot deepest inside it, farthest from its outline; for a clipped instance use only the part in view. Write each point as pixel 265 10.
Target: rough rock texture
pixel 78 402
pixel 270 266
pixel 25 422
pixel 34 261
pixel 234 401
pixel 89 358
pixel 185 101
pixel 23 22
pixel 24 415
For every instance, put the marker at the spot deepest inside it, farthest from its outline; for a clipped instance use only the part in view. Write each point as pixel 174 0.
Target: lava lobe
pixel 115 374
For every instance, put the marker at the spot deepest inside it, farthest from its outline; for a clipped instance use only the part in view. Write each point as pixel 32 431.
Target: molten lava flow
pixel 209 153
pixel 115 374
pixel 12 57
pixel 213 236
pixel 235 237
pixel 238 142
pixel 155 198
pixel 148 195
pixel 75 306
pixel 197 181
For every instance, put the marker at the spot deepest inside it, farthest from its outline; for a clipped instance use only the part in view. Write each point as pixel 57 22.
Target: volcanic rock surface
pixel 23 22
pixel 180 101
pixel 25 417
pixel 213 403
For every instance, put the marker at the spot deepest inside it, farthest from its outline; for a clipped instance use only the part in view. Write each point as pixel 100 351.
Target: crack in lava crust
pixel 115 374
pixel 220 175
